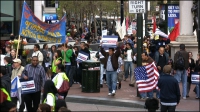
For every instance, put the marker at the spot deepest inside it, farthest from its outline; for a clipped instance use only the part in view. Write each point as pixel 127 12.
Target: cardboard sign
pixel 82 56
pixel 28 86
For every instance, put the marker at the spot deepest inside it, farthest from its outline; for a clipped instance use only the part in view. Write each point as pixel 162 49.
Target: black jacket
pixel 6 83
pixel 169 89
pixel 8 70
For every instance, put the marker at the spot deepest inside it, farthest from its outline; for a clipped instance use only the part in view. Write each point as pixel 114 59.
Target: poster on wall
pixel 173 15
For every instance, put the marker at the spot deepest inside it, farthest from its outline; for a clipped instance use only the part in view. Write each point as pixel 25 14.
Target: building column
pixel 186 22
pixel 186 36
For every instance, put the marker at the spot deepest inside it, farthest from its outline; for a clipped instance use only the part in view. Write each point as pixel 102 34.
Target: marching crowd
pixel 55 70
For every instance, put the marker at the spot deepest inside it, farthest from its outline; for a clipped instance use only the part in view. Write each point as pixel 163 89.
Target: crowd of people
pixel 51 66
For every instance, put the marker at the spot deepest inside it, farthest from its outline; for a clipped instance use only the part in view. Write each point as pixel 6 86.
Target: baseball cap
pixel 17 61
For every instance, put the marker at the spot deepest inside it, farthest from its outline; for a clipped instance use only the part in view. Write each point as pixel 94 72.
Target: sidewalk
pixel 125 97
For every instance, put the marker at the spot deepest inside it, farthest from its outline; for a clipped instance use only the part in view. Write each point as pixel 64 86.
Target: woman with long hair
pixel 53 50
pixel 13 54
pixel 49 94
pixel 57 59
pixel 190 70
pixel 59 79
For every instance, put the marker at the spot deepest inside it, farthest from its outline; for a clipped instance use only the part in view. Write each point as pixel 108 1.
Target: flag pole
pixel 17 46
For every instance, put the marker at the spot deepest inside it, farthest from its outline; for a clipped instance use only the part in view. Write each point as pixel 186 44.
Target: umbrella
pixel 160 33
pixel 5 15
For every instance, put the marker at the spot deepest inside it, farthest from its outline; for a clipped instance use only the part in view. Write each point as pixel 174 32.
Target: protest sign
pixel 104 32
pixel 195 78
pixel 28 86
pixel 82 56
pixel 2 60
pixel 16 88
pixel 32 27
pixel 109 41
pixel 93 55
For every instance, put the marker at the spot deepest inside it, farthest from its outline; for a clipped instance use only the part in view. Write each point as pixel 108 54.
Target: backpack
pixel 180 62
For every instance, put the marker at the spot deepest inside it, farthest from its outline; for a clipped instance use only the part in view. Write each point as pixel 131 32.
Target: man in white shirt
pixel 36 52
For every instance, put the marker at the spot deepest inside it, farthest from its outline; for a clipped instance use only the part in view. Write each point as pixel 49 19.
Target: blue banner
pixel 32 27
pixel 173 15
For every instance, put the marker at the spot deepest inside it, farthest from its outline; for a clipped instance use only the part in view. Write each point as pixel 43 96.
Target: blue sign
pixel 50 17
pixel 173 15
pixel 109 41
pixel 32 27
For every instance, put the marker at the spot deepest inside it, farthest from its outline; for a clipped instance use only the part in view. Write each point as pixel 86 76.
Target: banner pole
pixel 17 46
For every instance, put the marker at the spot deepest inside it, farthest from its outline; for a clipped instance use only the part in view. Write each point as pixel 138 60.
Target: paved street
pixel 125 94
pixel 93 107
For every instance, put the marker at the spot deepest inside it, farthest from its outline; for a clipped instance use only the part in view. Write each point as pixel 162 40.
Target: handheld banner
pixel 109 41
pixel 32 27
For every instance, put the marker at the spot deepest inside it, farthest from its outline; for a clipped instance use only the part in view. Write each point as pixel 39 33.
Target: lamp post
pixel 198 32
pixel 122 11
pixel 166 17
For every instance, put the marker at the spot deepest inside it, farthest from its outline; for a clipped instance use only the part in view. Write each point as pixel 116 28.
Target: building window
pixel 49 3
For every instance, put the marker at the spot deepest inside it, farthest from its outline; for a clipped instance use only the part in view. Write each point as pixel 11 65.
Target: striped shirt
pixel 38 74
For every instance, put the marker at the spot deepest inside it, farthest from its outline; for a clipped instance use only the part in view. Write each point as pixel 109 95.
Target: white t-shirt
pixel 60 80
pixel 40 56
pixel 50 100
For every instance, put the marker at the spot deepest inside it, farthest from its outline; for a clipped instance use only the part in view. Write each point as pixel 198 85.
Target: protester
pixel 101 58
pixel 128 61
pixel 8 51
pixel 49 94
pixel 7 62
pixel 161 59
pixel 5 80
pixel 17 72
pixel 146 59
pixel 181 68
pixel 66 55
pixel 37 72
pixel 13 54
pixel 132 84
pixel 60 103
pixel 84 50
pixel 197 70
pixel 64 109
pixel 128 40
pixel 36 52
pixel 190 70
pixel 8 106
pixel 151 104
pixel 111 66
pixel 120 71
pixel 57 59
pixel 44 108
pixel 169 92
pixel 59 79
pixel 53 50
pixel 46 57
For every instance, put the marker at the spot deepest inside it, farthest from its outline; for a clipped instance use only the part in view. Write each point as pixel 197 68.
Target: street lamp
pixel 166 16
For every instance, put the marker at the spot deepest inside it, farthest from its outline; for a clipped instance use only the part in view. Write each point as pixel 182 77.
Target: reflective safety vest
pixel 64 76
pixel 54 101
pixel 5 92
pixel 54 66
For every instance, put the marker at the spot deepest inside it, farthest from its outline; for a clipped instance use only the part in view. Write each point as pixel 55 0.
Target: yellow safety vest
pixel 54 66
pixel 54 101
pixel 64 76
pixel 8 96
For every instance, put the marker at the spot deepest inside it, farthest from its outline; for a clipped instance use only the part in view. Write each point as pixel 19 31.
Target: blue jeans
pixel 111 80
pixel 128 65
pixel 101 73
pixel 146 94
pixel 67 67
pixel 181 75
pixel 197 90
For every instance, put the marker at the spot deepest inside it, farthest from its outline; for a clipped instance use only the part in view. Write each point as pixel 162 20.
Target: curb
pixel 104 101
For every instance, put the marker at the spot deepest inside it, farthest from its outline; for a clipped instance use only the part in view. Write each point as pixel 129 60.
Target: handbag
pixel 64 87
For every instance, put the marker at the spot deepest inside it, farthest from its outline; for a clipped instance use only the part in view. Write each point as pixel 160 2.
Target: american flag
pixel 146 77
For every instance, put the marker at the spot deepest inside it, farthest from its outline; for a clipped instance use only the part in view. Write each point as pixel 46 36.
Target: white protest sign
pixel 137 6
pixel 82 56
pixel 93 55
pixel 104 32
pixel 109 41
pixel 2 60
pixel 195 78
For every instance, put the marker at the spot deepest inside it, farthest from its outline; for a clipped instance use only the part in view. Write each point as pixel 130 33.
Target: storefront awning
pixel 50 17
